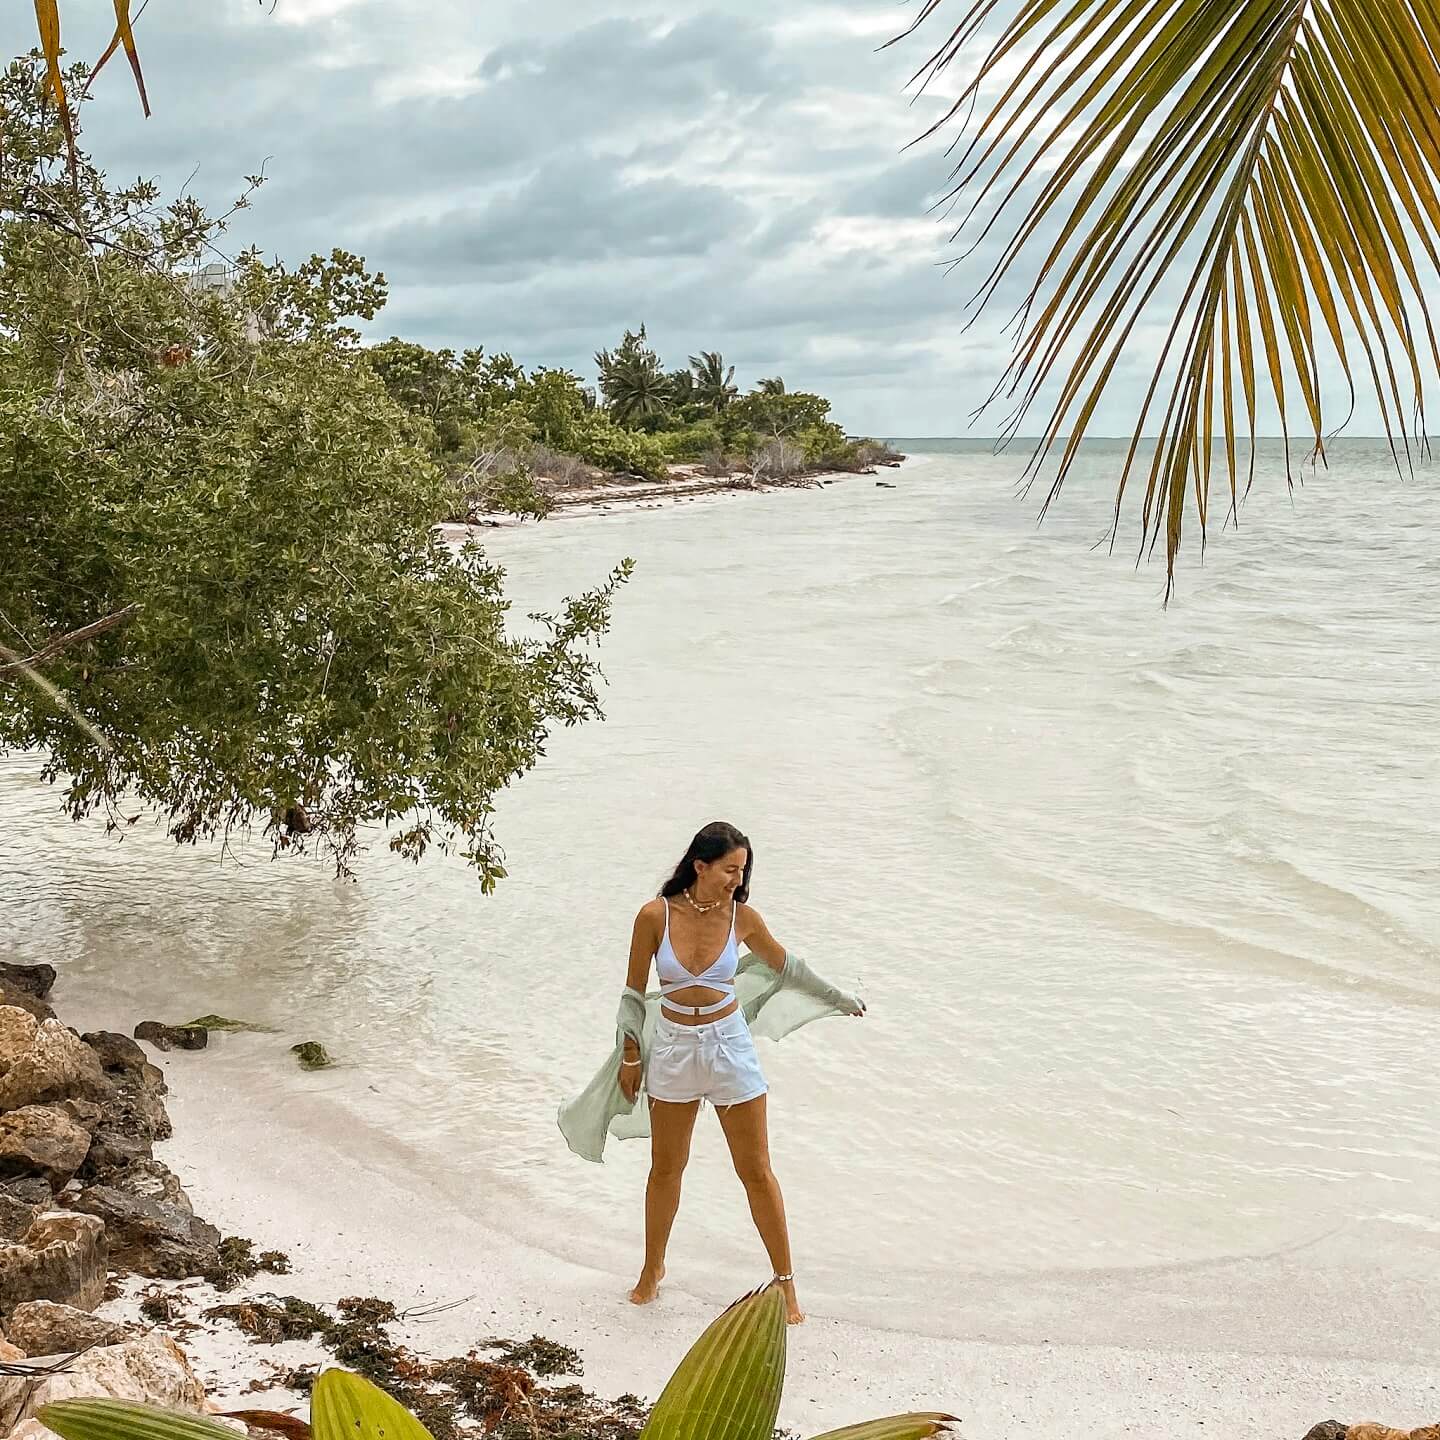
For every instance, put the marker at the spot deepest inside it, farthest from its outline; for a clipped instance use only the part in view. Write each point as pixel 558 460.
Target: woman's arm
pixel 753 931
pixel 750 928
pixel 644 941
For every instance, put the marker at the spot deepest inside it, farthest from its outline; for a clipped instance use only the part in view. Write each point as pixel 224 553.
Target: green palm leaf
pixel 918 1426
pixel 348 1407
pixel 121 1420
pixel 728 1385
pixel 1278 159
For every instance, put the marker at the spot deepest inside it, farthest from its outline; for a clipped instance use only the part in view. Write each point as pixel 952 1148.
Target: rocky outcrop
pixel 134 1105
pixel 1370 1430
pixel 17 1215
pixel 31 1189
pixel 36 980
pixel 155 1237
pixel 115 1052
pixel 172 1037
pixel 62 1257
pixel 42 1062
pixel 151 1179
pixel 41 1140
pixel 26 987
pixel 40 1327
pixel 152 1370
pixel 111 1152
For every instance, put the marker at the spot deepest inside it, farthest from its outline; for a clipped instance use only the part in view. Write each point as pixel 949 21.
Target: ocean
pixel 1145 900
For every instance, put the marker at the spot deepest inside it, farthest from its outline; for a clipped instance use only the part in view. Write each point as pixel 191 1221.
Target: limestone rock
pixel 10 1354
pixel 133 1105
pixel 25 987
pixel 40 1327
pixel 12 995
pixel 37 1140
pixel 153 1180
pixel 153 1237
pixel 111 1151
pixel 36 980
pixel 16 1215
pixel 1371 1430
pixel 32 1429
pixel 172 1037
pixel 115 1052
pixel 31 1189
pixel 63 1257
pixel 42 1061
pixel 151 1370
pixel 85 1113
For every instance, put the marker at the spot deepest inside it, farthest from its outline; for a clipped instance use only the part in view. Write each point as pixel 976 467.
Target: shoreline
pixel 624 494
pixel 358 1215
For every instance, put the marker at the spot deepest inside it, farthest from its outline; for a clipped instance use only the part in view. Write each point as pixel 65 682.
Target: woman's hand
pixel 630 1075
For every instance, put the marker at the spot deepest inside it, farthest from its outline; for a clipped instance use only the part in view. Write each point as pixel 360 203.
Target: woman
pixel 701 1047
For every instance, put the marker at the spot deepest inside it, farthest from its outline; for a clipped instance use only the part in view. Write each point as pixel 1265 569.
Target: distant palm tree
pixel 714 380
pixel 1263 171
pixel 773 386
pixel 635 386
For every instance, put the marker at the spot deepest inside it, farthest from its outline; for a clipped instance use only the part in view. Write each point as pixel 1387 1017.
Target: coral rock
pixel 42 1061
pixel 172 1037
pixel 37 1140
pixel 150 1371
pixel 40 1327
pixel 63 1257
pixel 154 1237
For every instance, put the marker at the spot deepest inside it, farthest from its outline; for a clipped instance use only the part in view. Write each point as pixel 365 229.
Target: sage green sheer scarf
pixel 775 1003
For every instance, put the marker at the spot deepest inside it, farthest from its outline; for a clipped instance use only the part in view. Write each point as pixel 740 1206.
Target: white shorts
pixel 715 1062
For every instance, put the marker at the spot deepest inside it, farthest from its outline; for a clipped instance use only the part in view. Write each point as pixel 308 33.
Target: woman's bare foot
pixel 794 1315
pixel 647 1287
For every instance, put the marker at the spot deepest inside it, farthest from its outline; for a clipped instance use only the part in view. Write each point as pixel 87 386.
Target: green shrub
pixel 692 442
pixel 597 438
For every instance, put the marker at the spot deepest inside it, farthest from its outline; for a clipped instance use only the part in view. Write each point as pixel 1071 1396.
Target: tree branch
pixel 64 642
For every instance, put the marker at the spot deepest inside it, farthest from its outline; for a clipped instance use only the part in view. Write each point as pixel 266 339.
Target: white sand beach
pixel 356 1219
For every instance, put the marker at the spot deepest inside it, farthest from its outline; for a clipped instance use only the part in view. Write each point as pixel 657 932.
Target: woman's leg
pixel 670 1129
pixel 747 1133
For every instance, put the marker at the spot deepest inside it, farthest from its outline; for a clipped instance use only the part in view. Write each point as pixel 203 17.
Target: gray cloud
pixel 572 212
pixel 537 177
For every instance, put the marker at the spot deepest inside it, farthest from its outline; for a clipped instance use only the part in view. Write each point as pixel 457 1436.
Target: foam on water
pixel 1145 901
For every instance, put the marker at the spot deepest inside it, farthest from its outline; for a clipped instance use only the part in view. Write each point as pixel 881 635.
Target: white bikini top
pixel 674 976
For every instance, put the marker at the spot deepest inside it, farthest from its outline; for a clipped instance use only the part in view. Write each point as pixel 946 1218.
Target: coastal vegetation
pixel 511 438
pixel 222 593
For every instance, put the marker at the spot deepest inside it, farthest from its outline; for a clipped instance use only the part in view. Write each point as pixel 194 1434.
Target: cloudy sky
pixel 535 175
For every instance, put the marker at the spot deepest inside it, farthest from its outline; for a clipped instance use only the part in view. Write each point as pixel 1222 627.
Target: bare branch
pixel 64 642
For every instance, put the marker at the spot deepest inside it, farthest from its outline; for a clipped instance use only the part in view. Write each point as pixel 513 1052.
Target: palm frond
pixel 47 22
pixel 1277 158
pixel 918 1426
pixel 728 1385
pixel 124 35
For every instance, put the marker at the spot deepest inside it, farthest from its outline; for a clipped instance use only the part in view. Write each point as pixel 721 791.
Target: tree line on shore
pixel 510 436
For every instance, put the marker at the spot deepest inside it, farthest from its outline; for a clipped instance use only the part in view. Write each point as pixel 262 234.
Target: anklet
pixel 785 1279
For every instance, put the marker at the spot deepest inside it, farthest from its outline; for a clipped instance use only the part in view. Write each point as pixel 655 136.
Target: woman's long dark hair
pixel 713 842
